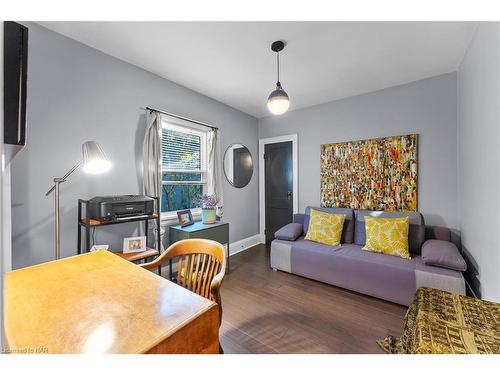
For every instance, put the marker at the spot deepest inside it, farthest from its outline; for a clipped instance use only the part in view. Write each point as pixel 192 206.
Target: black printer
pixel 118 207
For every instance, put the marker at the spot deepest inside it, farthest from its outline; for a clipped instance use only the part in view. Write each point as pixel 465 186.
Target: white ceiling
pixel 232 61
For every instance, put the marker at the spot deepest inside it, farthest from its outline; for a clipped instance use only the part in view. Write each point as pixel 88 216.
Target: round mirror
pixel 238 165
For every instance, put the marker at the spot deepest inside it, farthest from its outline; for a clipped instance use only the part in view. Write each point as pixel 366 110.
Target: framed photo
pixel 134 244
pixel 185 217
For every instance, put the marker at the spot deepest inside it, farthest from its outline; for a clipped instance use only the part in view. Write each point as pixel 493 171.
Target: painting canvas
pixel 373 174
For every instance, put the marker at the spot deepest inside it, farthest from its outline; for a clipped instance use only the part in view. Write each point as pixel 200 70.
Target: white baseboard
pixel 244 244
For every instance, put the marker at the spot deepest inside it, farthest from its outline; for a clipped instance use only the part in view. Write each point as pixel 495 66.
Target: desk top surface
pixel 198 225
pixel 94 303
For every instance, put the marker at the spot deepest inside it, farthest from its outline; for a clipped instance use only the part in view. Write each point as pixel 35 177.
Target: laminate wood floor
pixel 269 311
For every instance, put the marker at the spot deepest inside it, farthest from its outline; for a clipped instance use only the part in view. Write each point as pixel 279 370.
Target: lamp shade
pixel 278 101
pixel 94 158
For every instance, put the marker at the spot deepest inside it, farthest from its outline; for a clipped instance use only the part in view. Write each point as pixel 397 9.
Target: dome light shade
pixel 94 158
pixel 278 101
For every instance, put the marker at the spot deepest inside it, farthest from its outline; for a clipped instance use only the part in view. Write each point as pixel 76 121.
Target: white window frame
pixel 190 128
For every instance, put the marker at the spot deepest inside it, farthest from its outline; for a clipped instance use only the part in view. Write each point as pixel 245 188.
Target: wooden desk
pixel 99 302
pixel 219 231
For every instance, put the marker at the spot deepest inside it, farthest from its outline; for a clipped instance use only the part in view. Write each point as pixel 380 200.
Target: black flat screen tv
pixel 15 52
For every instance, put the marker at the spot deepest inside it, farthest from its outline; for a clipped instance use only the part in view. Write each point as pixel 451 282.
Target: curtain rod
pixel 182 118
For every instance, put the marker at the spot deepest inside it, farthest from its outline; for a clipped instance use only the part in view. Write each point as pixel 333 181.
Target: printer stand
pixel 86 225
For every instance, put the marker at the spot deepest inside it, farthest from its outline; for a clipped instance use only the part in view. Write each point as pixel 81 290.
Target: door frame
pixel 262 188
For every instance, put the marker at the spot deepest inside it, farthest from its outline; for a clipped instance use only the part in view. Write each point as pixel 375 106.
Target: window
pixel 183 167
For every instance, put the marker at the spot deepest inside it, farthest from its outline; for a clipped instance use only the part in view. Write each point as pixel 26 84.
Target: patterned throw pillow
pixel 325 228
pixel 387 236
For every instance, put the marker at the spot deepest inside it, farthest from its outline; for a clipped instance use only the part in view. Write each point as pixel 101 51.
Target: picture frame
pixel 387 182
pixel 134 244
pixel 185 218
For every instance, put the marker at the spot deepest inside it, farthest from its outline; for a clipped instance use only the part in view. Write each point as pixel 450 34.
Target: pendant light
pixel 278 101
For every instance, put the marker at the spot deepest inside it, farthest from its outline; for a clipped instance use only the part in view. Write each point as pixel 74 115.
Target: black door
pixel 279 187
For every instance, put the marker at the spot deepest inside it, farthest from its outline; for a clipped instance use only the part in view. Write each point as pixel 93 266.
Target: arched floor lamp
pixel 94 161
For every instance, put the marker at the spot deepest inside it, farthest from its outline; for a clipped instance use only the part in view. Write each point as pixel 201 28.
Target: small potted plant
pixel 209 208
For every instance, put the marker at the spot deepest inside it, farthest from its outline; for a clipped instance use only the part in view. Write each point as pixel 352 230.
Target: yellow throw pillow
pixel 325 228
pixel 387 236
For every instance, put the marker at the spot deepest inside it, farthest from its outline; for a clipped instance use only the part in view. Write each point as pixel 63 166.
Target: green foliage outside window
pixel 181 162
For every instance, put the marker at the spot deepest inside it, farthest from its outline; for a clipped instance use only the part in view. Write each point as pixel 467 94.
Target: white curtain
pixel 151 158
pixel 214 178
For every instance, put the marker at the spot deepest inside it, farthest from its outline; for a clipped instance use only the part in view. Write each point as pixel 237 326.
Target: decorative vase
pixel 208 215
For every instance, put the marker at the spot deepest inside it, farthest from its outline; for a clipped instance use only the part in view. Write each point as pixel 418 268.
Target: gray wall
pixel 76 93
pixel 4 253
pixel 479 159
pixel 427 107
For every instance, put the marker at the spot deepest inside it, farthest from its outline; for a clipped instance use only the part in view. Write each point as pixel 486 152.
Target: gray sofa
pixel 435 261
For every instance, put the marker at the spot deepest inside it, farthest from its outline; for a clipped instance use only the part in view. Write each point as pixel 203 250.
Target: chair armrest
pixel 158 262
pixel 443 254
pixel 289 232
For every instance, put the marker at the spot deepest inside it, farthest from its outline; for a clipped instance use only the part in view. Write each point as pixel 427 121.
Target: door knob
pixel 289 195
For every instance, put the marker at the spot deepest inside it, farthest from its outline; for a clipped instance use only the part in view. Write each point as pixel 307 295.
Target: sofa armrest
pixel 443 254
pixel 437 233
pixel 289 232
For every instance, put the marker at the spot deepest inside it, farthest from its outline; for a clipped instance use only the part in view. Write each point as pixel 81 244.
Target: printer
pixel 118 207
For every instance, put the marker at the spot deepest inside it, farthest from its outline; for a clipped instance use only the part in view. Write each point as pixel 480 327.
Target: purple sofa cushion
pixel 300 218
pixel 442 254
pixel 289 232
pixel 347 230
pixel 416 232
pixel 348 266
pixel 437 233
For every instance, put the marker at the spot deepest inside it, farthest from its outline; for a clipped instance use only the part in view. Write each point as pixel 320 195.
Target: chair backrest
pixel 201 266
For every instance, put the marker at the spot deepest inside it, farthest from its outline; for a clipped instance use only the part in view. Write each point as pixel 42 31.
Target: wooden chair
pixel 201 267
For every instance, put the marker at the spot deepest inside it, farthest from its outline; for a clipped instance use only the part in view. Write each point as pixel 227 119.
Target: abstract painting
pixel 373 174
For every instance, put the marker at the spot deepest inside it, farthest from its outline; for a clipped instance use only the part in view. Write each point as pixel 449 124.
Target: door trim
pixel 262 189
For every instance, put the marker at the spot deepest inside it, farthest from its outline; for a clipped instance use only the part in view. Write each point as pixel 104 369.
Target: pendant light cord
pixel 278 65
